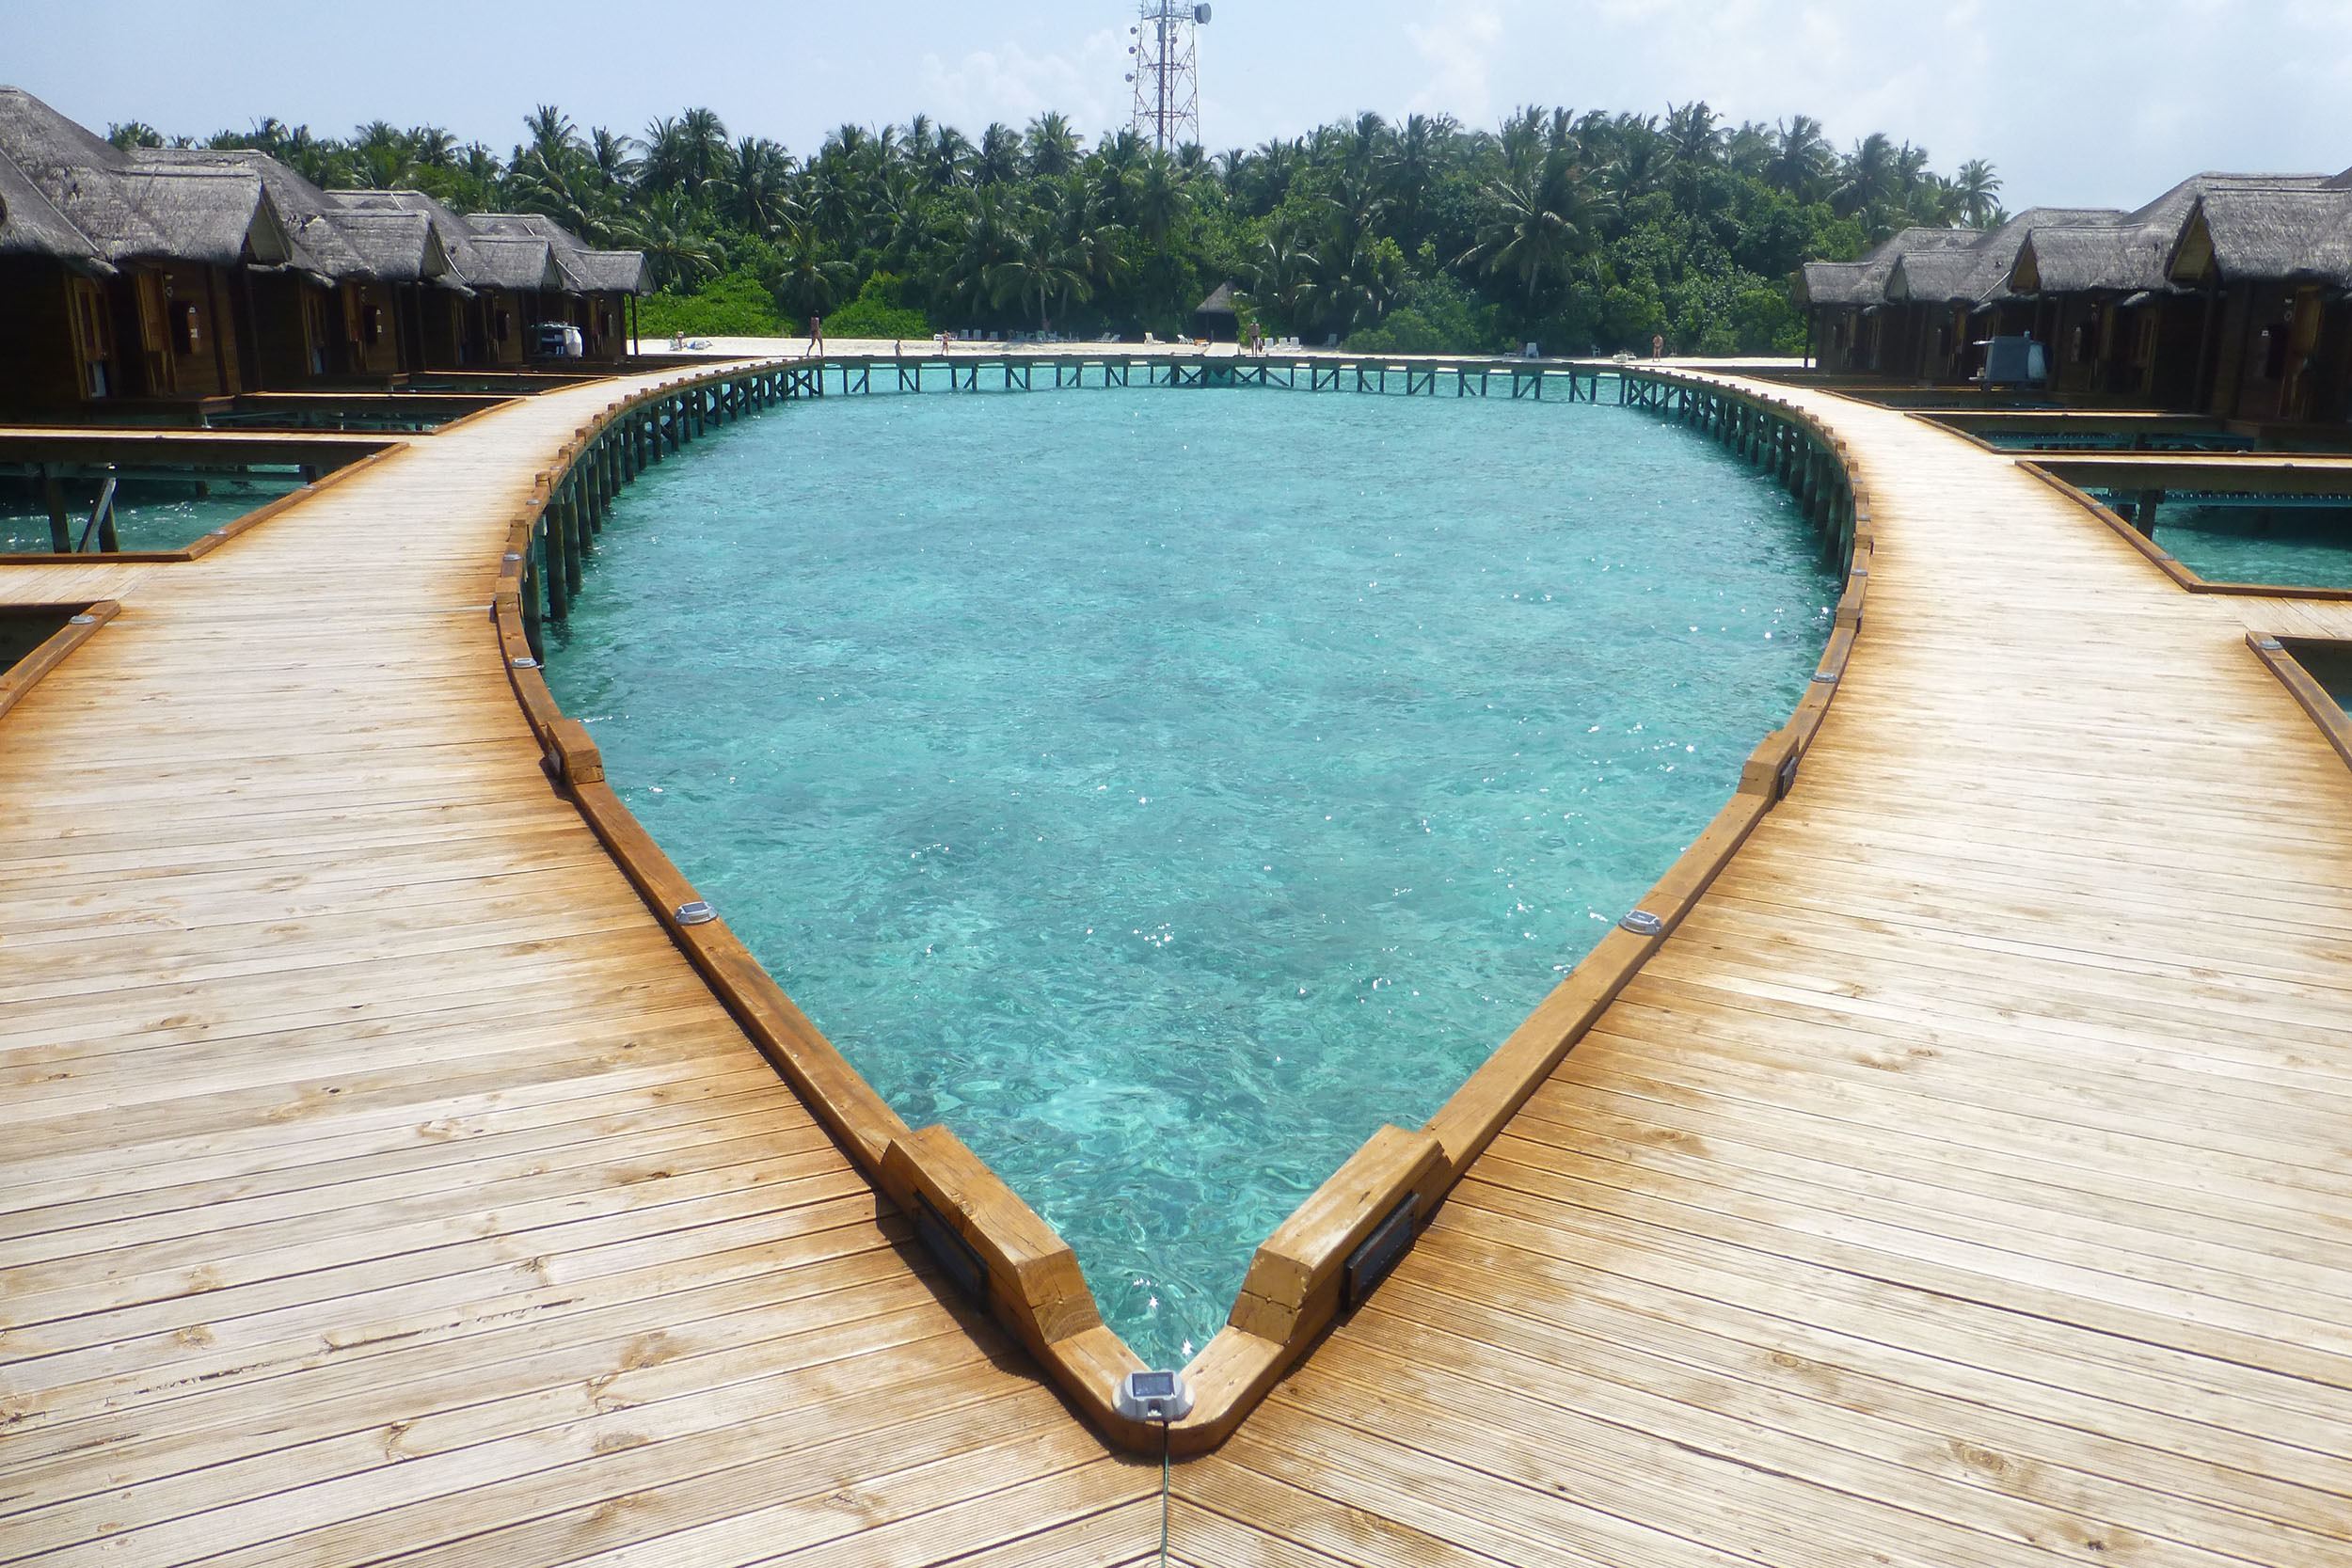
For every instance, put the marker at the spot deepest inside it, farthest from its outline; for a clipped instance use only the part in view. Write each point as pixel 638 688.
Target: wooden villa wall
pixel 175 326
pixel 38 365
pixel 292 321
pixel 497 307
pixel 360 356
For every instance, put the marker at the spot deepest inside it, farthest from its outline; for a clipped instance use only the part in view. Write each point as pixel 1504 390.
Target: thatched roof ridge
pixel 2275 235
pixel 30 223
pixel 2170 210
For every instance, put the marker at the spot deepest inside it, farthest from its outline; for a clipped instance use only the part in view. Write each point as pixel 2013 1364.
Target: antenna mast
pixel 1167 72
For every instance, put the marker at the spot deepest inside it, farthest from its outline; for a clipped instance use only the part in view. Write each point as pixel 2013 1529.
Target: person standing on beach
pixel 1658 345
pixel 816 335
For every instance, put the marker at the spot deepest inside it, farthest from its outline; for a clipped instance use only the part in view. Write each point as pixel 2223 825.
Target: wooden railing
pixel 1332 1252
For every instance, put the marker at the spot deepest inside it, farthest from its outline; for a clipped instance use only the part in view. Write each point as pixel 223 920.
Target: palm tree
pixel 1053 149
pixel 813 281
pixel 611 154
pixel 1979 190
pixel 1534 229
pixel 754 194
pixel 1161 198
pixel 127 134
pixel 553 134
pixel 1868 178
pixel 663 226
pixel 999 160
pixel 703 148
pixel 1040 270
pixel 1801 157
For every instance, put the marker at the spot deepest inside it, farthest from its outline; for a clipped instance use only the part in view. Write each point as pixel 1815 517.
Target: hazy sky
pixel 2076 101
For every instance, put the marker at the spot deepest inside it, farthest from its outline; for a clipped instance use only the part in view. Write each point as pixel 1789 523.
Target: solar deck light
pixel 512 555
pixel 1642 923
pixel 93 620
pixel 695 911
pixel 524 661
pixel 1162 1397
pixel 2268 644
pixel 1825 677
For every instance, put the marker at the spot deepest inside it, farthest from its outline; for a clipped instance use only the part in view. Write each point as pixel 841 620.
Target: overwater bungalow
pixel 146 265
pixel 1916 304
pixel 598 287
pixel 2275 267
pixel 178 273
pixel 2227 294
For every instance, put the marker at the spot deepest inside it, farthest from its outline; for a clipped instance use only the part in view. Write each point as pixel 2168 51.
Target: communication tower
pixel 1167 72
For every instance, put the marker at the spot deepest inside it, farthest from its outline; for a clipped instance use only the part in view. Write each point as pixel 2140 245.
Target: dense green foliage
pixel 734 306
pixel 1580 231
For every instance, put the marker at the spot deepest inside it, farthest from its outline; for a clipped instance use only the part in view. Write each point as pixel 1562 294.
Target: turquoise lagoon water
pixel 148 517
pixel 1166 788
pixel 2307 548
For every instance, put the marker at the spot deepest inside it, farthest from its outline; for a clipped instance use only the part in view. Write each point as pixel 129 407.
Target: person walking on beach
pixel 816 335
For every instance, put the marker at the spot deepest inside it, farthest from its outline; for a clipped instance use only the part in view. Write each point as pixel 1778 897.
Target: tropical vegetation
pixel 1577 231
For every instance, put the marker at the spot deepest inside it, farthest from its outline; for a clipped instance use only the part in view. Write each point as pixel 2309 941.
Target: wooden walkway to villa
pixel 1968 1181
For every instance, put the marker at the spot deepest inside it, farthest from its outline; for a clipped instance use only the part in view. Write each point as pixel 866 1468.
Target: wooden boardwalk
pixel 1967 1180
pixel 378 1180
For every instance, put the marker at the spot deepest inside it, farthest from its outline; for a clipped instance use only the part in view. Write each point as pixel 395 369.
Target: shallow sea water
pixel 2308 547
pixel 1166 788
pixel 146 516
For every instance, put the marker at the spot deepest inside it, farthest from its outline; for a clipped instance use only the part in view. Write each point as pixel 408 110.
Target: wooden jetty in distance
pixel 1960 1178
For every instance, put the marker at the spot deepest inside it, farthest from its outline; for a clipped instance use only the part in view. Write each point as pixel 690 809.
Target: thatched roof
pixel 585 271
pixel 2067 260
pixel 2240 235
pixel 1865 281
pixel 30 223
pixel 79 173
pixel 220 217
pixel 449 228
pixel 520 264
pixel 1219 303
pixel 129 208
pixel 398 247
pixel 1837 283
pixel 305 212
pixel 616 270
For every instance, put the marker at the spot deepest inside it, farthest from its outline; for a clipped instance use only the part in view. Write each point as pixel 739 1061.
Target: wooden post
pixel 551 554
pixel 529 596
pixel 2144 512
pixel 60 530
